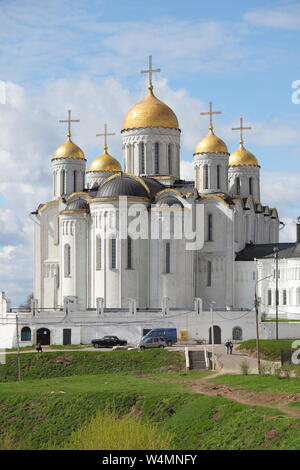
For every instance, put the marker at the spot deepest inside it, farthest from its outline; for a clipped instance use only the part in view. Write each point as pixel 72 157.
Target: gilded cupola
pixel 242 156
pixel 211 143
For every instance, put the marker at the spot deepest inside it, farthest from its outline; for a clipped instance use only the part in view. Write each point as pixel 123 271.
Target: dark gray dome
pixel 77 205
pixel 122 185
pixel 169 201
pixel 154 185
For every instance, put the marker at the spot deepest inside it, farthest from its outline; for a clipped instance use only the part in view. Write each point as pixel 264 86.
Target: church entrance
pixel 43 336
pixel 67 336
pixel 217 335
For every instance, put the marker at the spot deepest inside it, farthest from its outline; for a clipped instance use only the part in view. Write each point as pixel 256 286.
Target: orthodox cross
pixel 69 120
pixel 210 113
pixel 150 71
pixel 241 129
pixel 105 134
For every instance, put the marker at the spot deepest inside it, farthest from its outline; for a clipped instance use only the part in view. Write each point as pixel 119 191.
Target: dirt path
pixel 247 397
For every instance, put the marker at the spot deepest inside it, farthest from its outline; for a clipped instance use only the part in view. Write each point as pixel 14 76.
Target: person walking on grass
pixel 39 348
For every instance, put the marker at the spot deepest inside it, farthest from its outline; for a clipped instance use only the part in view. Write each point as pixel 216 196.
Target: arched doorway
pixel 217 335
pixel 26 334
pixel 43 336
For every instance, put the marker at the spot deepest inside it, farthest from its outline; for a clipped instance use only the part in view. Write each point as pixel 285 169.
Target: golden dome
pixel 150 112
pixel 242 157
pixel 211 144
pixel 105 162
pixel 69 150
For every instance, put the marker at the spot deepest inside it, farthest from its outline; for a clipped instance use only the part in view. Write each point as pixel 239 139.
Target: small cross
pixel 105 134
pixel 69 120
pixel 210 113
pixel 241 129
pixel 150 71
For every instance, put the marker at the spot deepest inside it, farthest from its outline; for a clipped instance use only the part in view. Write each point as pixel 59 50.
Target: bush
pixel 245 366
pixel 108 431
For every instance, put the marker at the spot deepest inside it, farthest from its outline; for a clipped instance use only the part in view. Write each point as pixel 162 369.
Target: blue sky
pixel 86 56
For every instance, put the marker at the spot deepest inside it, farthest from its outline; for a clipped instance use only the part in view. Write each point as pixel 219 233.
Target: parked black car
pixel 108 342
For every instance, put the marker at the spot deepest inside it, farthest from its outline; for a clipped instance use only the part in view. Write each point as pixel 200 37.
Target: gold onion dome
pixel 150 112
pixel 242 157
pixel 105 162
pixel 211 144
pixel 69 150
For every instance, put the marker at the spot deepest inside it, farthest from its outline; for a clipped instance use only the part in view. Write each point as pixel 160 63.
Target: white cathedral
pixel 76 263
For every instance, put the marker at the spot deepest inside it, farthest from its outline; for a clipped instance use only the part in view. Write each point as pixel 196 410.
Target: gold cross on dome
pixel 150 71
pixel 210 113
pixel 105 134
pixel 241 129
pixel 69 120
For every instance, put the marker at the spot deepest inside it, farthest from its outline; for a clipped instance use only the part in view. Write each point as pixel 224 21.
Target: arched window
pixel 238 186
pixel 209 227
pixel 269 297
pixel 250 185
pixel 74 180
pixel 209 273
pixel 237 333
pixel 218 176
pixel 142 157
pixel 168 257
pixel 63 183
pixel 26 334
pixel 67 260
pixel 98 253
pixel 113 253
pixel 170 158
pixel 129 252
pixel 205 176
pixel 156 158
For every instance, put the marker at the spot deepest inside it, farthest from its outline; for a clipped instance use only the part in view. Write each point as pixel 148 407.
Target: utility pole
pixel 276 288
pixel 256 305
pixel 212 336
pixel 18 346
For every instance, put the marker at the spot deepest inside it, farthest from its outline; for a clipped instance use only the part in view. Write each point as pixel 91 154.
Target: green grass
pixel 58 364
pixel 183 376
pixel 280 320
pixel 258 383
pixel 270 348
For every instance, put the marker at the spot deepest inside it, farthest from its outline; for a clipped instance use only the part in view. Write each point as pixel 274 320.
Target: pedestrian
pixel 227 345
pixel 230 346
pixel 39 348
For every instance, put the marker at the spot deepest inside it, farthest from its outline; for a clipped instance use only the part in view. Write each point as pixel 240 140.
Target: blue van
pixel 168 334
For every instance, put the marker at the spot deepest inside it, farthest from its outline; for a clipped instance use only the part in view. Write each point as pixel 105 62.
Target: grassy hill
pixel 270 348
pixel 60 364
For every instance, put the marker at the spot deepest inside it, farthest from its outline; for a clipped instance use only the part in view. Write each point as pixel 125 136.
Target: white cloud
pixel 7 252
pixel 283 16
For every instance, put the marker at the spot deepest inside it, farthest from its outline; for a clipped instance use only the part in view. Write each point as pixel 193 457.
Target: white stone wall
pixel 244 173
pixel 69 166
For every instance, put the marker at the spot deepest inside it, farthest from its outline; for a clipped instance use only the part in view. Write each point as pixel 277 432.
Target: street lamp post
pixel 276 250
pixel 256 304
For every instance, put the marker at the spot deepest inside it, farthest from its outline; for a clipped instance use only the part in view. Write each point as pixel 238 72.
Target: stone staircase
pixel 197 360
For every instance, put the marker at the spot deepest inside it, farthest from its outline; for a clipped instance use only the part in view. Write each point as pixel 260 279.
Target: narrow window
pixel 205 176
pixel 170 158
pixel 156 158
pixel 98 253
pixel 209 228
pixel 209 273
pixel 168 257
pixel 284 297
pixel 238 186
pixel 74 180
pixel 67 260
pixel 218 176
pixel 269 297
pixel 250 185
pixel 142 157
pixel 113 253
pixel 129 252
pixel 63 182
